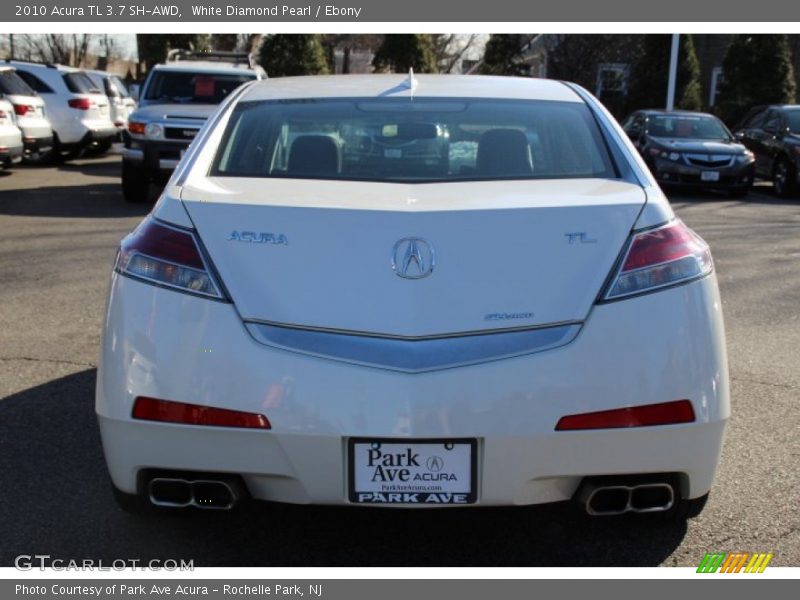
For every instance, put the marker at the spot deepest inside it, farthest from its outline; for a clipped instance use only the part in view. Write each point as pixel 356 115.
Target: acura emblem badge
pixel 413 258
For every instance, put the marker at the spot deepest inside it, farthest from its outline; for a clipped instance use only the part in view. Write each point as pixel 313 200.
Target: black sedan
pixel 772 133
pixel 687 149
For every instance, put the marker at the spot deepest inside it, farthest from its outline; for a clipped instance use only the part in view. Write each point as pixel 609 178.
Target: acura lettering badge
pixel 413 258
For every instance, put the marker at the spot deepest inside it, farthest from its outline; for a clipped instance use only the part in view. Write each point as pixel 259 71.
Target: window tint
pixel 188 87
pixel 80 83
pixel 793 119
pixel 701 127
pixel 35 83
pixel 425 140
pixel 755 120
pixel 773 122
pixel 13 84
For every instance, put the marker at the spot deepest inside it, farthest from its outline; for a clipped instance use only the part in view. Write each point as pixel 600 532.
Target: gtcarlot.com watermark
pixel 30 562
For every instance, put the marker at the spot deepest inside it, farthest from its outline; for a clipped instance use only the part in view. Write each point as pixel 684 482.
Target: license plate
pixel 709 176
pixel 428 472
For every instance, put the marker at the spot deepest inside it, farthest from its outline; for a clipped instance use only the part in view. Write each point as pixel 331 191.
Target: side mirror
pixel 133 90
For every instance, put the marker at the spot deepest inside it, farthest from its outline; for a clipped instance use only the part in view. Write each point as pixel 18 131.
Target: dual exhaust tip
pixel 209 494
pixel 611 499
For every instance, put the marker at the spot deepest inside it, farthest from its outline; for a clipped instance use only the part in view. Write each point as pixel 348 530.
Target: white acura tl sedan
pixel 413 291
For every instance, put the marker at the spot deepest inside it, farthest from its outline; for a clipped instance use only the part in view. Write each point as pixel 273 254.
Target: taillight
pixel 137 128
pixel 167 411
pixel 23 109
pixel 661 257
pixel 80 103
pixel 166 255
pixel 664 413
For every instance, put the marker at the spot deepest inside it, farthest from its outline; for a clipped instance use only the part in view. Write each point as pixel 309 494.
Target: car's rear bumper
pixel 10 147
pixel 659 347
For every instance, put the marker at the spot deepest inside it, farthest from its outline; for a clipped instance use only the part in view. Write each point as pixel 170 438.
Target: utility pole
pixel 673 71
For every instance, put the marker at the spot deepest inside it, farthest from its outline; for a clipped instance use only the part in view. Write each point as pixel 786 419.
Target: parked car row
pixel 694 150
pixel 58 112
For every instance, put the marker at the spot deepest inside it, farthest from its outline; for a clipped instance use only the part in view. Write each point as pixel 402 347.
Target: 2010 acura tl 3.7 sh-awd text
pixel 421 291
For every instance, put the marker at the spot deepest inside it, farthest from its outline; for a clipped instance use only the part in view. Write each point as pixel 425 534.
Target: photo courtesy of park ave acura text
pixel 399 299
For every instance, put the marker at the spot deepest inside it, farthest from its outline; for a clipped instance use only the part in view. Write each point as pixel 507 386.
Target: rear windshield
pixel 188 87
pixel 700 127
pixel 80 83
pixel 13 85
pixel 419 140
pixel 793 118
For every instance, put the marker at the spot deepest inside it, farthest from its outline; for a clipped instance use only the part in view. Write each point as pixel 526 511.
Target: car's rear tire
pixel 135 183
pixel 784 178
pixel 99 148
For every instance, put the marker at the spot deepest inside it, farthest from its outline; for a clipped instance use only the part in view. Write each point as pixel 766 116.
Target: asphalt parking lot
pixel 59 227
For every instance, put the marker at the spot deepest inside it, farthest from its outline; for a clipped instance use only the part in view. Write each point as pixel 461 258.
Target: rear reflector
pixel 665 413
pixel 167 411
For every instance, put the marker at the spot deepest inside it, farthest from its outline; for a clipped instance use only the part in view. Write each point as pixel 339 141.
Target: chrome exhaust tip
pixel 209 494
pixel 169 492
pixel 214 495
pixel 607 500
pixel 652 497
pixel 613 496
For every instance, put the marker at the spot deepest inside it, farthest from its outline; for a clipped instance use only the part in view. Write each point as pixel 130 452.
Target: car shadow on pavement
pixel 57 501
pixel 99 200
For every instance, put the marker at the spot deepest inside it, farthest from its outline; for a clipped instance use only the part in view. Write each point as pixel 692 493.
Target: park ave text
pixel 110 11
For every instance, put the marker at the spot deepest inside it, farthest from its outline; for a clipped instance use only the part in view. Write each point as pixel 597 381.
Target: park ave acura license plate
pixel 429 472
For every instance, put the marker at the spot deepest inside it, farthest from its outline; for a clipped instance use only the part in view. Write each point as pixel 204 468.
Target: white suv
pixel 10 136
pixel 120 100
pixel 79 112
pixel 29 113
pixel 175 101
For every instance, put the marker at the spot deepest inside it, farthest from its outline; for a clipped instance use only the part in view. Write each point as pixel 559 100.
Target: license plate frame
pixel 709 176
pixel 428 497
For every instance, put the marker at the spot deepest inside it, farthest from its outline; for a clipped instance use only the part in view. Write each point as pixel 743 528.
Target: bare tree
pixel 450 48
pixel 66 49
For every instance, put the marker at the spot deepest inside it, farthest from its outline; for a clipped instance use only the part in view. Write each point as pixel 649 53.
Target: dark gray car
pixel 686 149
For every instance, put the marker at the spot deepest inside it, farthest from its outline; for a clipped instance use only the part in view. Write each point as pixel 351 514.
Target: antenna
pixel 411 82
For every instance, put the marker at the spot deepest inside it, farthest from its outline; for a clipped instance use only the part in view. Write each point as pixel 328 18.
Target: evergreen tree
pixel 504 55
pixel 757 70
pixel 651 75
pixel 400 52
pixel 283 55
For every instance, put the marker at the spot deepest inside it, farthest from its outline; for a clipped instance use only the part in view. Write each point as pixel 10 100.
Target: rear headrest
pixel 504 152
pixel 314 155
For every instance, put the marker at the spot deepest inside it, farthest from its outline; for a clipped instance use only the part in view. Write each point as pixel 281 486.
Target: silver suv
pixel 175 101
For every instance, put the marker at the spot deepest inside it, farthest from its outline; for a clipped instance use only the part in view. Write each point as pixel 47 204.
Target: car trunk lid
pixel 332 254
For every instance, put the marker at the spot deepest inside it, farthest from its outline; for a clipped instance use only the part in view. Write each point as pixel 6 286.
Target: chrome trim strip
pixel 415 355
